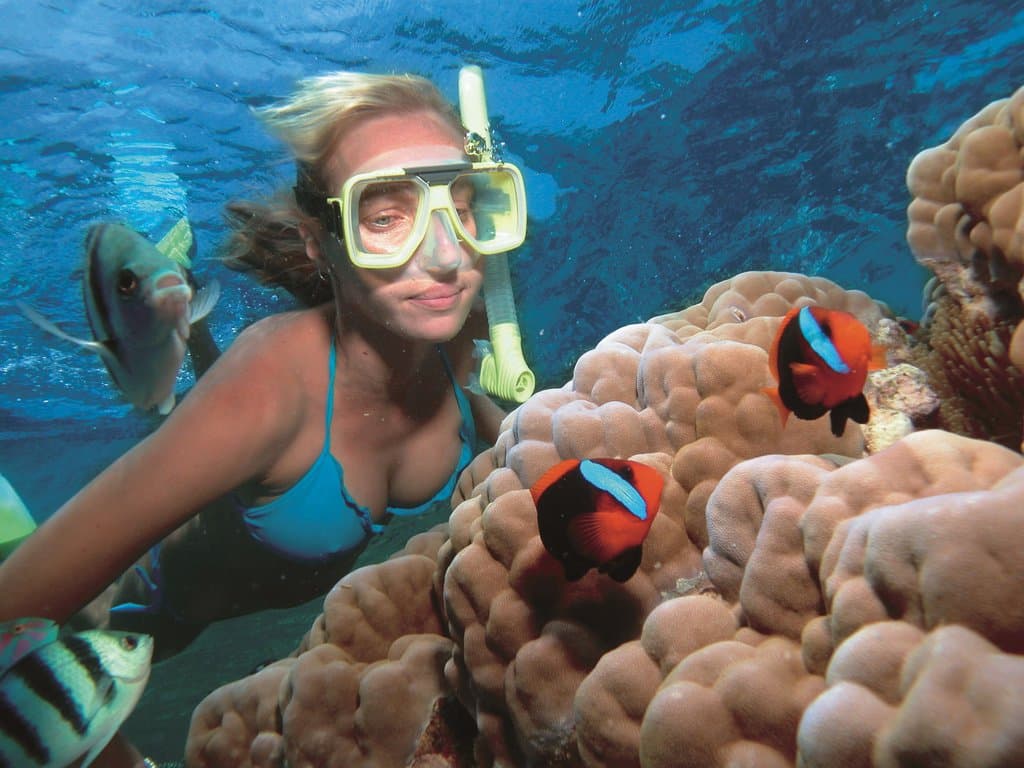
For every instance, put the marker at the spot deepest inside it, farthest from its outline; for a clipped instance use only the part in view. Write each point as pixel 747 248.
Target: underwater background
pixel 666 146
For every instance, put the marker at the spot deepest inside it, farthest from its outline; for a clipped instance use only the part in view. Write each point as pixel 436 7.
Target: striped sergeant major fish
pixel 66 697
pixel 140 303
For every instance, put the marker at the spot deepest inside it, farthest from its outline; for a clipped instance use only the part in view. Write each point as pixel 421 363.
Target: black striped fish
pixel 66 699
pixel 140 306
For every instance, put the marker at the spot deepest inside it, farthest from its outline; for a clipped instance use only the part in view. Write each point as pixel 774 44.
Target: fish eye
pixel 130 642
pixel 127 282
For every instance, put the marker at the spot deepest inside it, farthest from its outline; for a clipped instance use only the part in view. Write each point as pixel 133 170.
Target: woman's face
pixel 430 296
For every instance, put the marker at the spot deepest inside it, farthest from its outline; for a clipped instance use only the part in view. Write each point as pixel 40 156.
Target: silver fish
pixel 140 307
pixel 66 699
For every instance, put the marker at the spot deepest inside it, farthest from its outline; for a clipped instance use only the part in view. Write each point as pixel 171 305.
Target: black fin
pixel 624 566
pixel 856 409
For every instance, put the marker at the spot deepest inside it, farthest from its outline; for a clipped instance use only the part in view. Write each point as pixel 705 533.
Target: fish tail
pixel 773 395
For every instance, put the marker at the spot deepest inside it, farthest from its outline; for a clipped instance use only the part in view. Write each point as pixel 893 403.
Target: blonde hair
pixel 265 237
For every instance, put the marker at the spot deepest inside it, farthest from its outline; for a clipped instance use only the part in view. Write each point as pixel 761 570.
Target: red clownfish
pixel 596 513
pixel 821 358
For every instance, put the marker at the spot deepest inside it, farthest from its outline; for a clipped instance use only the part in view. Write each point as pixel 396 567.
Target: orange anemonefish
pixel 821 358
pixel 596 513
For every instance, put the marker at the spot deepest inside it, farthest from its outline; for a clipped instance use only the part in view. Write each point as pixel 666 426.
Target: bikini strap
pixel 468 429
pixel 329 410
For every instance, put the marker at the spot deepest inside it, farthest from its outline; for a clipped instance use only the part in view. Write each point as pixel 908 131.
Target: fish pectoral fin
pixel 856 409
pixel 575 568
pixel 625 565
pixel 204 301
pixel 808 382
pixel 99 746
pixel 51 327
pixel 837 421
pixel 593 535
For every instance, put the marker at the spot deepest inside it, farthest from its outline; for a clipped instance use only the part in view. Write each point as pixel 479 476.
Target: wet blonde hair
pixel 265 237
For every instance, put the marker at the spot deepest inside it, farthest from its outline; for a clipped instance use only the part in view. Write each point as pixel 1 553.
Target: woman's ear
pixel 312 245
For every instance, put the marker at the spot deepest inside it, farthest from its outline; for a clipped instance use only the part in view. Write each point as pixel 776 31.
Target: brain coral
pixel 966 224
pixel 789 583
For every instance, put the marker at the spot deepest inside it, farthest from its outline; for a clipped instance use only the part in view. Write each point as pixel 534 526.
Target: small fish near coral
pixel 820 359
pixel 140 304
pixel 596 513
pixel 63 699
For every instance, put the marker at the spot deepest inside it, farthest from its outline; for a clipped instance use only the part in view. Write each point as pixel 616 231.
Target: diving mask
pixel 382 216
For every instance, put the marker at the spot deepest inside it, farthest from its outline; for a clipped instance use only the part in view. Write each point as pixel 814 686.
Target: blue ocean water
pixel 667 145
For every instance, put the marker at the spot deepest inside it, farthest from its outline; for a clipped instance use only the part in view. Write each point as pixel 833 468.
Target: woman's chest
pixel 390 459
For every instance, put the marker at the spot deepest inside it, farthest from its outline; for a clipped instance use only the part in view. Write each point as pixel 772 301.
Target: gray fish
pixel 66 699
pixel 140 307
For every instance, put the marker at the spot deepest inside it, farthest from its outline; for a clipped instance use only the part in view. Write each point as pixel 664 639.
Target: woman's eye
pixel 381 220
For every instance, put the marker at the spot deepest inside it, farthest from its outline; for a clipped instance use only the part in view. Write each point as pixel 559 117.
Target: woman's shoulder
pixel 283 336
pixel 274 357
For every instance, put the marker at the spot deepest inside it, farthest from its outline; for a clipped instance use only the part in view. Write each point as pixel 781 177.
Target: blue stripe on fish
pixel 616 486
pixel 820 343
pixel 22 732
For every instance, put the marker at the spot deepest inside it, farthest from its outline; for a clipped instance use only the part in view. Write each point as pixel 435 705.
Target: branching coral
pixel 966 224
pixel 786 576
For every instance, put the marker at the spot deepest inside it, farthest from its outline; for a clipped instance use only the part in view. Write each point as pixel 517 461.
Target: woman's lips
pixel 439 297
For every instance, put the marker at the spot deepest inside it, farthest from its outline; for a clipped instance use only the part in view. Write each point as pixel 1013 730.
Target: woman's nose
pixel 441 249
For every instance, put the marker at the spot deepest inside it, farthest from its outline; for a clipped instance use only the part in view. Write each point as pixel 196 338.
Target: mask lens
pixel 491 210
pixel 384 215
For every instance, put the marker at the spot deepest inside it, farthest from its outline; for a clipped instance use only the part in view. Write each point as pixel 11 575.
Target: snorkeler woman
pixel 262 486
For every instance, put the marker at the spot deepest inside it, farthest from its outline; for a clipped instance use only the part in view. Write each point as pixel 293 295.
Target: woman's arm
pixel 226 431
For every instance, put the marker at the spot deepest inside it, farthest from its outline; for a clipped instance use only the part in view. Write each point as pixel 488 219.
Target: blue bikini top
pixel 317 518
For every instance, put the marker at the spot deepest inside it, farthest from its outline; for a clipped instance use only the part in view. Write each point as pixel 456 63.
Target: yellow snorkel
pixel 503 371
pixel 15 521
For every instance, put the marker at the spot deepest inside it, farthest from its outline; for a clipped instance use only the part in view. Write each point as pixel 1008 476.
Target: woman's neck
pixel 380 364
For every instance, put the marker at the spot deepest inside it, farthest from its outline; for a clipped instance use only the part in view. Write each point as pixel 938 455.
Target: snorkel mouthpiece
pixel 503 371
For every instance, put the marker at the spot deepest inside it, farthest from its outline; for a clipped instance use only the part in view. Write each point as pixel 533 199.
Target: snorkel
pixel 16 523
pixel 502 371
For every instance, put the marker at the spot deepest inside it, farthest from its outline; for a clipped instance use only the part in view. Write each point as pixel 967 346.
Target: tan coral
pixel 948 697
pixel 932 561
pixel 363 685
pixel 336 712
pixel 966 224
pixel 682 394
pixel 611 702
pixel 239 723
pixel 772 518
pixel 729 703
